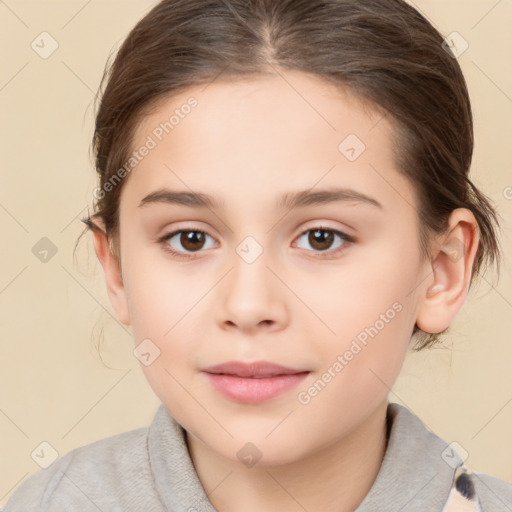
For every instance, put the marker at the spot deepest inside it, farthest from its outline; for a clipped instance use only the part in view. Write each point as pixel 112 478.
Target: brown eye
pixel 322 239
pixel 192 240
pixel 184 241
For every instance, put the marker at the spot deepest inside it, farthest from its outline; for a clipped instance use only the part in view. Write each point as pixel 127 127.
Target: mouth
pixel 253 383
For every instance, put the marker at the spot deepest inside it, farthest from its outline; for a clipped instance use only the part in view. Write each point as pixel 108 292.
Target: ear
pixel 112 271
pixel 453 256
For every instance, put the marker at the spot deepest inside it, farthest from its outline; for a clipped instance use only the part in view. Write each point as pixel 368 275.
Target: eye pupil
pixel 189 240
pixel 194 240
pixel 322 237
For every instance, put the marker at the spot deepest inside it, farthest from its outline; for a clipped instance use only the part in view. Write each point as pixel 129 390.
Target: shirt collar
pixel 417 469
pixel 416 472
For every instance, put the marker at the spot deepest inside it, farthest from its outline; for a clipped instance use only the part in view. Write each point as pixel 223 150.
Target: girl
pixel 316 154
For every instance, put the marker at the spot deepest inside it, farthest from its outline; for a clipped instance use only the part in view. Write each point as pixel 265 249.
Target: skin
pixel 247 143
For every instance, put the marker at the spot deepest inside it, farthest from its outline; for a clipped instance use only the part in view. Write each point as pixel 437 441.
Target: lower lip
pixel 252 390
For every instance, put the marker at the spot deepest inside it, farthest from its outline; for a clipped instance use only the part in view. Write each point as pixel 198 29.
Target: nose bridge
pixel 251 294
pixel 250 272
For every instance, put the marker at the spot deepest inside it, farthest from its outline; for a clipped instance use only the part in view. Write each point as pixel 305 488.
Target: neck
pixel 335 478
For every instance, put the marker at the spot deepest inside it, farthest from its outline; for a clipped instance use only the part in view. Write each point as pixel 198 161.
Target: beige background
pixel 54 387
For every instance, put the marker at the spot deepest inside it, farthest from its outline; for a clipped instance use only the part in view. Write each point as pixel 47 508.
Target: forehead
pixel 269 134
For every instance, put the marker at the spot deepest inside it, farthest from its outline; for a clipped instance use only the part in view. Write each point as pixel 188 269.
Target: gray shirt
pixel 149 470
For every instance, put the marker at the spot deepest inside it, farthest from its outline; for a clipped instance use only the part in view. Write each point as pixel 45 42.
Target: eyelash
pixel 347 239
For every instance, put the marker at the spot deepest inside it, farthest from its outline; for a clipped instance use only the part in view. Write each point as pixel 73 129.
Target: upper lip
pixel 259 369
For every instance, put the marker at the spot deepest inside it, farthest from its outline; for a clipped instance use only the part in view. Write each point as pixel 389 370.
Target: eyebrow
pixel 289 201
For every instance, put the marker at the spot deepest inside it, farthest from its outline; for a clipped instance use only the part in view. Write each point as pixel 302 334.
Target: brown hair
pixel 384 51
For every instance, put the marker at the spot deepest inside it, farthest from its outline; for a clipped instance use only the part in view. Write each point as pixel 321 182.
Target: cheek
pixel 165 311
pixel 158 294
pixel 368 314
pixel 357 373
pixel 162 313
pixel 357 295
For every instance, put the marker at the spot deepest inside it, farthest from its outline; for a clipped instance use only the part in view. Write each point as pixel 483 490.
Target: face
pixel 279 311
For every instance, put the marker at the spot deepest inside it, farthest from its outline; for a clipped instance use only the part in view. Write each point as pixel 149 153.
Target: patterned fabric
pixel 462 497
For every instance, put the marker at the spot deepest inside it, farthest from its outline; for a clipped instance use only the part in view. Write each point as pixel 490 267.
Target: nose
pixel 252 297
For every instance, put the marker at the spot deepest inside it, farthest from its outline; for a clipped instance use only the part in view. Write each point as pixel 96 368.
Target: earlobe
pixel 452 262
pixel 112 271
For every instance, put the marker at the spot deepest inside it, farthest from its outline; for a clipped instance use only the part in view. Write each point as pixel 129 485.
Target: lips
pixel 258 370
pixel 253 382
